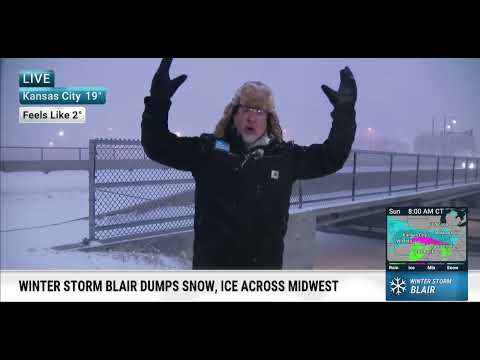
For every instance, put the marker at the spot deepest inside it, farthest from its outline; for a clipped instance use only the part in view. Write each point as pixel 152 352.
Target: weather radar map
pixel 427 235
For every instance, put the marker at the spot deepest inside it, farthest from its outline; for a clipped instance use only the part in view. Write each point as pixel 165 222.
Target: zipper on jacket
pixel 256 154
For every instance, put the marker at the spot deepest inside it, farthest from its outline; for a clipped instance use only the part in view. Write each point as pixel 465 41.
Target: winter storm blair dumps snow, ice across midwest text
pixel 175 285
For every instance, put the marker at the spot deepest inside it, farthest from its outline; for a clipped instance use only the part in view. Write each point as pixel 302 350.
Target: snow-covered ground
pixel 32 199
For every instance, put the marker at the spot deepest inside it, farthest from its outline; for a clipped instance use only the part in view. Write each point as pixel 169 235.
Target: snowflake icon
pixel 397 286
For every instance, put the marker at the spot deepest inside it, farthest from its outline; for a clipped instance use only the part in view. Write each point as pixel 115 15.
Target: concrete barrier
pixel 298 242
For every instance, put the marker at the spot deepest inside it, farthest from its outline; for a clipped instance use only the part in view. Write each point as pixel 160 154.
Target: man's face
pixel 251 123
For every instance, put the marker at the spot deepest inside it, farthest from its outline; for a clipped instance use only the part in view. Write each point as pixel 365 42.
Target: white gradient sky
pixel 397 97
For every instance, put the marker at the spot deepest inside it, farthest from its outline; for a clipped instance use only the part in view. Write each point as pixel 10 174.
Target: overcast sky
pixel 397 97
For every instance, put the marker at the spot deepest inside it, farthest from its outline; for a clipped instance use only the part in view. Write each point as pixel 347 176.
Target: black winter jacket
pixel 242 197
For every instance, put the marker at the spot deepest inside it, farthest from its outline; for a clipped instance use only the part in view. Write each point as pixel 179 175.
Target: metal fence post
pixel 476 172
pixel 91 189
pixel 79 153
pixel 416 178
pixel 453 171
pixel 300 194
pixel 41 153
pixel 466 169
pixel 390 175
pixel 436 175
pixel 354 174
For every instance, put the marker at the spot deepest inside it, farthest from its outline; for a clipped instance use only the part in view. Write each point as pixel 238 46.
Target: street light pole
pixel 371 131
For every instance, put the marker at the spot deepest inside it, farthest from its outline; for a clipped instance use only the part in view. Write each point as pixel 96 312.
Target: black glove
pixel 162 87
pixel 346 96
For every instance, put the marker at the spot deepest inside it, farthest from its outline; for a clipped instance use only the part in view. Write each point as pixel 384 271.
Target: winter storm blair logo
pixel 398 286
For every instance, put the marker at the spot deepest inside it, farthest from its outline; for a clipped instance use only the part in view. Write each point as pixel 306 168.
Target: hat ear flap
pixel 269 125
pixel 231 131
pixel 273 126
pixel 222 126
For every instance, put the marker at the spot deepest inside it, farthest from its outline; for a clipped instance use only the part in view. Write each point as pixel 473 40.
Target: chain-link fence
pixel 132 196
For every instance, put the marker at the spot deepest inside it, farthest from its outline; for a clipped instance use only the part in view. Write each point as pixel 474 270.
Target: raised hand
pixel 346 96
pixel 162 86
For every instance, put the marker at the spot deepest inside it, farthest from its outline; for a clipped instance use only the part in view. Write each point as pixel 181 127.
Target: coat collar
pixel 237 145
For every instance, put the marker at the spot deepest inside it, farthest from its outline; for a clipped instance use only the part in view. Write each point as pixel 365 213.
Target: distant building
pixel 458 143
pixel 373 140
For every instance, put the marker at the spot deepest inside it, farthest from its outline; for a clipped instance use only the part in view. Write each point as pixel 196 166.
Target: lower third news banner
pixel 189 285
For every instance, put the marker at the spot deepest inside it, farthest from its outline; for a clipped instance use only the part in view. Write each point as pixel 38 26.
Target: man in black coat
pixel 244 171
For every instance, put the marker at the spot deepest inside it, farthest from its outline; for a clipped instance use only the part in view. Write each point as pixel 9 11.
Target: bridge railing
pixel 131 196
pixel 39 153
pixel 372 173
